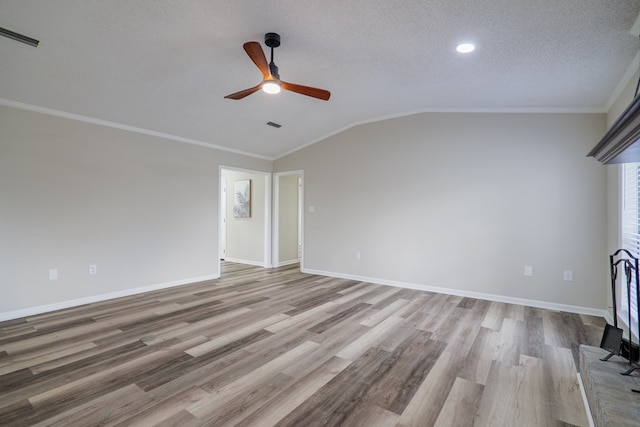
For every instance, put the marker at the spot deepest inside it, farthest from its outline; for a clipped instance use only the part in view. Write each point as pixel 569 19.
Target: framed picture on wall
pixel 242 198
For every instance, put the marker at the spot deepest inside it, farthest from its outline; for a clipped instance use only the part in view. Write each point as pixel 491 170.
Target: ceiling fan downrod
pixel 272 40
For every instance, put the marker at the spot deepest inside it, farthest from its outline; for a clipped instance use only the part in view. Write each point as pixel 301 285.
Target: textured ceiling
pixel 165 65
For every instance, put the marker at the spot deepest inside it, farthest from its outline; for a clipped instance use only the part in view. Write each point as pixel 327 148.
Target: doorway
pixel 244 234
pixel 288 218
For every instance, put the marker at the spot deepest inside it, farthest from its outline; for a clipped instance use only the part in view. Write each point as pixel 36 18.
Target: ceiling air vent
pixel 19 37
pixel 275 125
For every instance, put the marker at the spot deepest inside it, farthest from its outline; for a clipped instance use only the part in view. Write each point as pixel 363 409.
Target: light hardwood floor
pixel 264 347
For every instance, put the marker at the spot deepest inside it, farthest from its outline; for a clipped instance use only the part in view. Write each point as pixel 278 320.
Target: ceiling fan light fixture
pixel 465 48
pixel 271 86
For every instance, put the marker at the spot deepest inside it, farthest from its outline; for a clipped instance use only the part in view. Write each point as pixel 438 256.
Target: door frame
pixel 276 216
pixel 266 263
pixel 222 220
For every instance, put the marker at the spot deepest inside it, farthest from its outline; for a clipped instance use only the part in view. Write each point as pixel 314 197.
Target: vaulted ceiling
pixel 165 66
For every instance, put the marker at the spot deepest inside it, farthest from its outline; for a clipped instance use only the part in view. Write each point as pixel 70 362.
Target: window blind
pixel 630 236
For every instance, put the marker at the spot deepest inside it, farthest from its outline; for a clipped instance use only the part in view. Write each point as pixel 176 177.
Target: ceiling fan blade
pixel 243 93
pixel 255 52
pixel 306 90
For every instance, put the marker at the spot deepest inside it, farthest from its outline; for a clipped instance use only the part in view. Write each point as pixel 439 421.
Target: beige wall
pixel 245 236
pixel 142 208
pixel 462 201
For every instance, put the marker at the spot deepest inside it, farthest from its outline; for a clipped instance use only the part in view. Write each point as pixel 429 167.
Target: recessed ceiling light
pixel 465 48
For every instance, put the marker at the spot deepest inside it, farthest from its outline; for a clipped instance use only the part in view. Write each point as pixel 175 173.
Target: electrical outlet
pixel 528 270
pixel 93 269
pixel 357 255
pixel 568 275
pixel 53 274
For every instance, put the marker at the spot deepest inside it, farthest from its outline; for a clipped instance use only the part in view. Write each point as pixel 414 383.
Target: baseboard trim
pixel 609 317
pixel 291 261
pixel 32 311
pixel 245 261
pixel 470 294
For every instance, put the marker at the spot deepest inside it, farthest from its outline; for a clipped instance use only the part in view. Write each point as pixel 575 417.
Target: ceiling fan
pixel 271 82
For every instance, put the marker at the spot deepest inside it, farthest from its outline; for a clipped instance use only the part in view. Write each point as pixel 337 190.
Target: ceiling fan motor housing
pixel 272 39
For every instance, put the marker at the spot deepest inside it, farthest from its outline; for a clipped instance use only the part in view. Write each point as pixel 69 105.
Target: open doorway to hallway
pixel 288 218
pixel 245 216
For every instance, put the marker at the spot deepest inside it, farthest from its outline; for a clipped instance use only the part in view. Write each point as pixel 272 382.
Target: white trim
pixel 235 168
pixel 559 110
pixel 469 294
pixel 301 217
pixel 246 261
pixel 585 401
pixel 268 233
pixel 291 261
pixel 609 317
pixel 275 240
pixel 115 125
pixel 32 311
pixel 620 203
pixel 222 219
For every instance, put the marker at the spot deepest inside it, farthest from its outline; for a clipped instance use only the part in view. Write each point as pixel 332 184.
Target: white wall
pixel 246 236
pixel 142 208
pixel 288 219
pixel 462 201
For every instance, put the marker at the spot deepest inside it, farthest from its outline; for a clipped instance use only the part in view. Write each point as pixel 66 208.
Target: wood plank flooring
pixel 276 347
